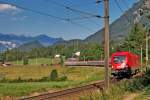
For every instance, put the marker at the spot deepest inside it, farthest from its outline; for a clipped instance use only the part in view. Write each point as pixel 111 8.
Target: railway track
pixel 84 63
pixel 67 92
pixel 58 95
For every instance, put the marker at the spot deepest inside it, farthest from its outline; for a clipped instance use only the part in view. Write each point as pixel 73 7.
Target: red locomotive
pixel 124 64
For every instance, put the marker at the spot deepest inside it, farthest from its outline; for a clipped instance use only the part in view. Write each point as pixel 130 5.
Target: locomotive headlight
pixel 123 65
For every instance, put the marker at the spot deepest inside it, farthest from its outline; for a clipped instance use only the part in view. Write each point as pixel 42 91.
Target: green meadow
pixel 76 76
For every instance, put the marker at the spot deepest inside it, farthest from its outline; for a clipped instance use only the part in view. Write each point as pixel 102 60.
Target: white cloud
pixel 7 7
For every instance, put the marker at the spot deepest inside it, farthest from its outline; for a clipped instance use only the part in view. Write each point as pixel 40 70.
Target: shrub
pixel 135 84
pixel 140 82
pixel 25 61
pixel 54 75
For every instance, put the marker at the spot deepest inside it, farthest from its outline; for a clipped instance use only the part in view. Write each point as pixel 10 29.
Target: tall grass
pixel 76 76
pixel 125 87
pixel 37 72
pixel 115 92
pixel 37 61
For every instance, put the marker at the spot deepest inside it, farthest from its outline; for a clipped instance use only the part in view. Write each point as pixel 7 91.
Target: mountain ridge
pixel 119 29
pixel 10 41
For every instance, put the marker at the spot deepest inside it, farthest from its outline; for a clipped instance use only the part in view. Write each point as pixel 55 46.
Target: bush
pixel 54 75
pixel 140 82
pixel 135 84
pixel 25 61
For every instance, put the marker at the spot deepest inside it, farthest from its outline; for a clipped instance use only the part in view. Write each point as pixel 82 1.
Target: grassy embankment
pixel 134 89
pixel 76 76
pixel 144 95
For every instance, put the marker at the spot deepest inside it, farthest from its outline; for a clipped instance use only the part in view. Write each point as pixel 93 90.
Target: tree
pixel 25 61
pixel 135 39
pixel 62 58
pixel 54 75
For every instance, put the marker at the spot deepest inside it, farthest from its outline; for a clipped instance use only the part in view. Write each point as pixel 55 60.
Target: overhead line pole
pixel 146 50
pixel 141 56
pixel 106 40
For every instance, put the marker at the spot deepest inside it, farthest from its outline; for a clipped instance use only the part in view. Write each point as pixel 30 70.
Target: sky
pixel 36 17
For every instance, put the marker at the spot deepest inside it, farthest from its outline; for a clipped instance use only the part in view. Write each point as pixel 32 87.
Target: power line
pixel 75 10
pixel 82 17
pixel 79 25
pixel 85 15
pixel 78 18
pixel 46 14
pixel 79 11
pixel 34 11
pixel 118 5
pixel 86 3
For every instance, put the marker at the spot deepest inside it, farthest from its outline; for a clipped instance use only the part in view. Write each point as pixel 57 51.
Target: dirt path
pixel 131 96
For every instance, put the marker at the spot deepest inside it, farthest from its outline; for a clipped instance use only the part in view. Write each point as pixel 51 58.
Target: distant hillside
pixel 10 41
pixel 30 45
pixel 70 42
pixel 120 28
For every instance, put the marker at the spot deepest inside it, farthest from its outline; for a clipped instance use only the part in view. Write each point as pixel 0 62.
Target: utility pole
pixel 106 39
pixel 146 50
pixel 141 56
pixel 17 55
pixel 36 57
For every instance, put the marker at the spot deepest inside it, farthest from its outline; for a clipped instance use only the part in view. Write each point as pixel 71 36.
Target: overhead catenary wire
pixel 74 9
pixel 78 18
pixel 82 17
pixel 79 11
pixel 79 25
pixel 34 11
pixel 118 5
pixel 87 3
pixel 46 14
pixel 84 14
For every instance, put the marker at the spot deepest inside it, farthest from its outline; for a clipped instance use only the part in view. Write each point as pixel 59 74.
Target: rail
pixel 84 63
pixel 62 93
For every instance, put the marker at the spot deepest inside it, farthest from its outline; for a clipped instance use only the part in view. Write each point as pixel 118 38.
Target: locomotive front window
pixel 119 59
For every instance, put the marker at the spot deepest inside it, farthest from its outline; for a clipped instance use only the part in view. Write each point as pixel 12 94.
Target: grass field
pixel 37 61
pixel 76 76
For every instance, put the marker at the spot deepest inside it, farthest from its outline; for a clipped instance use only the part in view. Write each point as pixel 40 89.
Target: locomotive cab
pixel 123 63
pixel 120 67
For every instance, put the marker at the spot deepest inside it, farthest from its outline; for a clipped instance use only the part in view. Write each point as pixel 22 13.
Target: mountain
pixel 9 41
pixel 30 45
pixel 121 27
pixel 47 41
pixel 70 42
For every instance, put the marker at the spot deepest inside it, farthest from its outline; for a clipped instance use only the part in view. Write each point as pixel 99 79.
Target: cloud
pixel 7 7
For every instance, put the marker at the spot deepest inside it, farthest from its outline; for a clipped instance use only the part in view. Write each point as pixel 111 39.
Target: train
pixel 124 64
